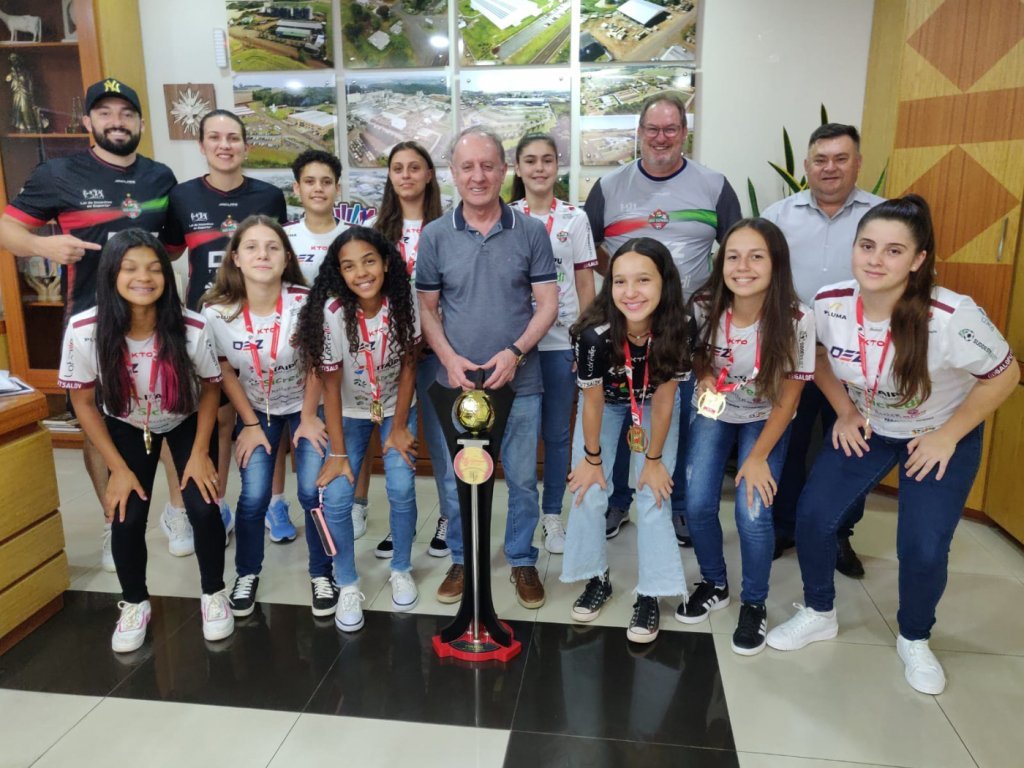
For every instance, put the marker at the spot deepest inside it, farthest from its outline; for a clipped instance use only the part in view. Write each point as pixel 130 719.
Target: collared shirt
pixel 820 247
pixel 485 281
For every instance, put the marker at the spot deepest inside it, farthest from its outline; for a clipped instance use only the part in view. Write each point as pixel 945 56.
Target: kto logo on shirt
pixel 92 194
pixel 658 219
pixel 199 216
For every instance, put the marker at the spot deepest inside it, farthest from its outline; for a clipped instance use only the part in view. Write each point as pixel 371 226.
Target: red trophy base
pixel 483 648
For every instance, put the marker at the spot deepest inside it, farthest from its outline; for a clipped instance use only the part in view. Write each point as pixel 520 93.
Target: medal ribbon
pixel 154 374
pixel 870 392
pixel 551 216
pixel 268 384
pixel 382 331
pixel 636 412
pixel 720 385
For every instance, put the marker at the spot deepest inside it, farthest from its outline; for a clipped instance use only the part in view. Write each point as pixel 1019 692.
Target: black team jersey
pixel 92 200
pixel 203 219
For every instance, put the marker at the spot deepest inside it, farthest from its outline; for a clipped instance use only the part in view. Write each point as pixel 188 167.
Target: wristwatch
pixel 520 356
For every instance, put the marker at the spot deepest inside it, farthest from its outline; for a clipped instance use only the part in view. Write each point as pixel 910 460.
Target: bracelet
pixel 255 424
pixel 337 455
pixel 652 458
pixel 589 453
pixel 593 463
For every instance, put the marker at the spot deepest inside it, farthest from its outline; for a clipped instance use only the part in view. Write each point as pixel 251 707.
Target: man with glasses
pixel 685 206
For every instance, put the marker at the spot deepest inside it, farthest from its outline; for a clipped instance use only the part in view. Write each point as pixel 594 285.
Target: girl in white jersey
pixel 359 330
pixel 754 351
pixel 159 380
pixel 533 193
pixel 253 311
pixel 912 371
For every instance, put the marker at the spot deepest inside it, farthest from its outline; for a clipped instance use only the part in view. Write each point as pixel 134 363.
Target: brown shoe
pixel 529 590
pixel 450 590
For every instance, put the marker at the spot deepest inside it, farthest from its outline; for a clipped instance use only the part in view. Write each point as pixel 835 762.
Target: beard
pixel 121 149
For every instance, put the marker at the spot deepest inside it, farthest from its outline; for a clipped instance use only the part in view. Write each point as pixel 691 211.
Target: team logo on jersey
pixel 658 219
pixel 229 225
pixel 199 217
pixel 845 355
pixel 835 310
pixel 562 236
pixel 92 194
pixel 131 208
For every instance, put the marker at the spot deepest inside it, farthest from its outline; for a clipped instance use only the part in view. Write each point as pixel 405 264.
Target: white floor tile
pixel 33 722
pixel 760 760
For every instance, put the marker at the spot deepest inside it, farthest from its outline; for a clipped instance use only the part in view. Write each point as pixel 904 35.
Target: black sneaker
pixel 705 598
pixel 588 605
pixel 748 639
pixel 386 549
pixel 439 544
pixel 243 595
pixel 682 534
pixel 325 595
pixel 847 562
pixel 614 519
pixel 643 627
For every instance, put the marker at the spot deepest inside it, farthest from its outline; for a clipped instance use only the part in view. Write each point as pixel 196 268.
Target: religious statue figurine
pixel 25 116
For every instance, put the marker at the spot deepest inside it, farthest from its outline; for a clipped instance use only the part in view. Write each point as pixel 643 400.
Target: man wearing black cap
pixel 91 195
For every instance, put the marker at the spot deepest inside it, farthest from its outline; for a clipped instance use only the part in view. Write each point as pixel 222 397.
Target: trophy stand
pixel 476 633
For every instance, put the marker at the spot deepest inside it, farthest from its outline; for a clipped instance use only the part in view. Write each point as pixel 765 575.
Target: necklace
pixel 639 338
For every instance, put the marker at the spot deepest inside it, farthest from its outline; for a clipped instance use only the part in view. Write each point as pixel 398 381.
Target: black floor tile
pixel 274 660
pixel 389 671
pixel 71 652
pixel 590 681
pixel 542 750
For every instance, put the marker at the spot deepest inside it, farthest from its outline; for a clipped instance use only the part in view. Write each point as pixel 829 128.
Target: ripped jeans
pixel 709 444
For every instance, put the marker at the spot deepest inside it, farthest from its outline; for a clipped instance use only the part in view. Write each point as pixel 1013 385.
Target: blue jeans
pixel 928 513
pixel 813 406
pixel 437 447
pixel 400 484
pixel 254 497
pixel 658 559
pixel 556 407
pixel 622 497
pixel 519 460
pixel 710 443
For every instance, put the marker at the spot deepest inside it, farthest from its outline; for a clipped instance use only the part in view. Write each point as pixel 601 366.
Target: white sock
pixel 277 497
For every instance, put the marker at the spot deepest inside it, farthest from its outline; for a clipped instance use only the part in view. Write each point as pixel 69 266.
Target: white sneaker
pixel 404 594
pixel 359 520
pixel 130 632
pixel 921 668
pixel 178 530
pixel 218 623
pixel 554 534
pixel 106 553
pixel 806 626
pixel 349 615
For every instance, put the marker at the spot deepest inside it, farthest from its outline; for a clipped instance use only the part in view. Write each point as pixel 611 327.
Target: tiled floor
pixel 288 690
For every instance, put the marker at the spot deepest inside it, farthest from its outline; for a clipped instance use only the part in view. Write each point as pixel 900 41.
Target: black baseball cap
pixel 111 86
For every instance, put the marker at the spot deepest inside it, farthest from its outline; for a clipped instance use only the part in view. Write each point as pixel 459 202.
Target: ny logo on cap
pixel 111 86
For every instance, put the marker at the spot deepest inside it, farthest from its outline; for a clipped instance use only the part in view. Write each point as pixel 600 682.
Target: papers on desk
pixel 12 385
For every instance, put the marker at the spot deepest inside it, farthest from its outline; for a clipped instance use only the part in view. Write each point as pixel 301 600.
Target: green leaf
pixel 824 114
pixel 788 148
pixel 787 177
pixel 754 210
pixel 880 184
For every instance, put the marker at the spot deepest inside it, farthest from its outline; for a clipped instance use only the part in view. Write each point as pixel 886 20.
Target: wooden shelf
pixel 36 303
pixel 46 135
pixel 46 44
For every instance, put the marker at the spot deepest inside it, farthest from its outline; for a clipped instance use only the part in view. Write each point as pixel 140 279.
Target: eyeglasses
pixel 670 131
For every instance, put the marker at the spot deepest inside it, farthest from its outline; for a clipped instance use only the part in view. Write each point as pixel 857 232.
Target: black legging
pixel 128 538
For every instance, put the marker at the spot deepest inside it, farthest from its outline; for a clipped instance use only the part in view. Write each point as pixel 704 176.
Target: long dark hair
pixel 229 285
pixel 777 335
pixel 518 187
pixel 909 322
pixel 389 218
pixel 330 284
pixel 176 374
pixel 670 346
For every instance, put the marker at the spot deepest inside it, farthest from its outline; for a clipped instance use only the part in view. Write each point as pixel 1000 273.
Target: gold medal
pixel 711 404
pixel 377 412
pixel 636 439
pixel 147 439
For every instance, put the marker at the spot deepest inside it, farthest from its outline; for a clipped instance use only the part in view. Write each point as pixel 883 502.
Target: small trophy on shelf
pixel 25 115
pixel 42 276
pixel 75 121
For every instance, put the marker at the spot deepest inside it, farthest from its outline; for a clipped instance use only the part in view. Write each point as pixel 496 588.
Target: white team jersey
pixel 356 393
pixel 233 343
pixel 963 346
pixel 79 368
pixel 742 405
pixel 573 246
pixel 311 247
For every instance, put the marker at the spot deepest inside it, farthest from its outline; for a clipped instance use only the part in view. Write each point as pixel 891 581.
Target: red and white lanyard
pixel 410 260
pixel 636 411
pixel 266 385
pixel 382 333
pixel 154 375
pixel 870 390
pixel 720 385
pixel 551 216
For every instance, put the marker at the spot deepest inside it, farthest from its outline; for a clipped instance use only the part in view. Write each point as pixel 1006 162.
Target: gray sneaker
pixel 614 519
